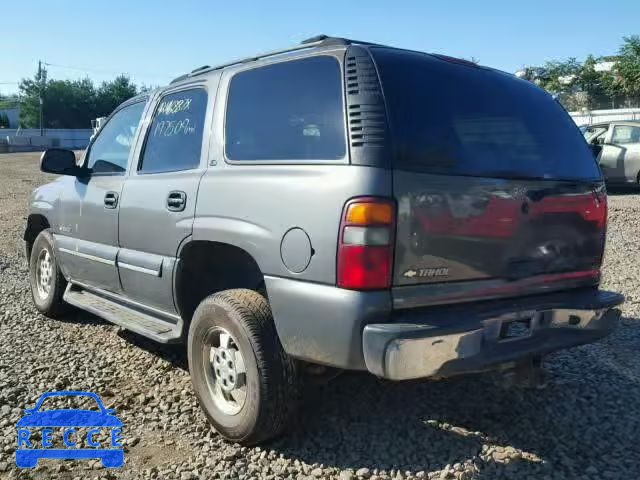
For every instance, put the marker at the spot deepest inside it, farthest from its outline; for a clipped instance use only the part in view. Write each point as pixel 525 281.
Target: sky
pixel 155 41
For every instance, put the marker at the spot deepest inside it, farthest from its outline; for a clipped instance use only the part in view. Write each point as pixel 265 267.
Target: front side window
pixel 287 111
pixel 623 134
pixel 109 153
pixel 592 133
pixel 174 141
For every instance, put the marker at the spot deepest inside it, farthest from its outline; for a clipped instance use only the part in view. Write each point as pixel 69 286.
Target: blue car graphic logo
pixel 28 453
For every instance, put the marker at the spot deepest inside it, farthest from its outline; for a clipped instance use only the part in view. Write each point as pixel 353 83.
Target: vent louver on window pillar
pixel 366 116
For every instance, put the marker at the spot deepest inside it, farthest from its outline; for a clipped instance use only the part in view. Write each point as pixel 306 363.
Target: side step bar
pixel 158 326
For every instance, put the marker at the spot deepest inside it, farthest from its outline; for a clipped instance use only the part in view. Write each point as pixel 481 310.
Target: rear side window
pixel 287 111
pixel 623 134
pixel 174 140
pixel 454 119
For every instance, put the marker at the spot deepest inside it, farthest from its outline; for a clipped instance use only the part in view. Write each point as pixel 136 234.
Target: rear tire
pixel 246 384
pixel 46 280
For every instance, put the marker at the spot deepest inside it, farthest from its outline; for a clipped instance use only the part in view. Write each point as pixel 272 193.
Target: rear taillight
pixel 365 245
pixel 591 207
pixel 600 210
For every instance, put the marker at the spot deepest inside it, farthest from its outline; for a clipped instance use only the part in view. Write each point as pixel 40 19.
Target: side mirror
pixel 59 161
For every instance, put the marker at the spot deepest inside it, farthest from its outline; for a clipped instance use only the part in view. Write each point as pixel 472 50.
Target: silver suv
pixel 617 147
pixel 335 205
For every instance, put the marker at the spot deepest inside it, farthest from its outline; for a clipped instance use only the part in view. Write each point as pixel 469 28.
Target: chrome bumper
pixel 403 351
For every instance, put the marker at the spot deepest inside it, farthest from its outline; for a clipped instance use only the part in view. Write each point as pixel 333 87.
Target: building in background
pixel 13 115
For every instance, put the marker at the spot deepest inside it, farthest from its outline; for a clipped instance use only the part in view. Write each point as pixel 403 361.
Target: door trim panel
pixel 135 268
pixel 87 256
pixel 90 262
pixel 147 278
pixel 138 261
pixel 98 252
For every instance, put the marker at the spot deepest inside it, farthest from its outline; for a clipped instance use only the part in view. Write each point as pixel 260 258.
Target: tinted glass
pixel 623 134
pixel 466 120
pixel 287 111
pixel 109 152
pixel 174 140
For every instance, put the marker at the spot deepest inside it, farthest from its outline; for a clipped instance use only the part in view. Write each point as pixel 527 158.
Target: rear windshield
pixel 465 120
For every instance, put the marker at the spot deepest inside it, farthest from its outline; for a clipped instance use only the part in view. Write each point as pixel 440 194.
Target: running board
pixel 161 327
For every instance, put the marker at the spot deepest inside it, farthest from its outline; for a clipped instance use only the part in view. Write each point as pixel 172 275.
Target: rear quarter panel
pixel 253 206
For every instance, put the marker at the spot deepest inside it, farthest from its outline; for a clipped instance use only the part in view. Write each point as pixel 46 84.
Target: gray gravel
pixel 583 425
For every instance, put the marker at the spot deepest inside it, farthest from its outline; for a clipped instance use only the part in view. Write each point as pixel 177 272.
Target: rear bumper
pixel 461 339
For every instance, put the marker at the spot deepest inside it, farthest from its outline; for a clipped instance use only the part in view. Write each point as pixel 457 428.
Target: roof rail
pixel 204 67
pixel 327 40
pixel 317 41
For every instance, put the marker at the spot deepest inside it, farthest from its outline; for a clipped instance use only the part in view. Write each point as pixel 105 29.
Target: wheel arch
pixel 36 223
pixel 206 267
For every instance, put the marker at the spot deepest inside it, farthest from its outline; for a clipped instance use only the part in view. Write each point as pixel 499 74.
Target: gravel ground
pixel 583 425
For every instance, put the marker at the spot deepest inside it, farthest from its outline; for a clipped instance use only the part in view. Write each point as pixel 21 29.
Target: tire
pixel 270 380
pixel 48 302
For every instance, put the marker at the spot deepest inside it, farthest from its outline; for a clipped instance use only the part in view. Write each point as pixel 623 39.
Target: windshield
pixel 453 119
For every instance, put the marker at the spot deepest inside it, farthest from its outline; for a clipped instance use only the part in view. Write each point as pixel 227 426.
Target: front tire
pixel 46 279
pixel 245 382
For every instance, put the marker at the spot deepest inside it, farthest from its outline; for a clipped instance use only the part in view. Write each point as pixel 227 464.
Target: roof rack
pixel 317 41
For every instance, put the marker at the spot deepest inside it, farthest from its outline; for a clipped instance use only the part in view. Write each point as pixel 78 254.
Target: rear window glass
pixel 287 111
pixel 465 120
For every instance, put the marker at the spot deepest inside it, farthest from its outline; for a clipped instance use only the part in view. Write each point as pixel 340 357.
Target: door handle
pixel 110 200
pixel 176 201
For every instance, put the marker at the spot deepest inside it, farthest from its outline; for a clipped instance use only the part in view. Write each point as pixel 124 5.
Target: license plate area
pixel 515 329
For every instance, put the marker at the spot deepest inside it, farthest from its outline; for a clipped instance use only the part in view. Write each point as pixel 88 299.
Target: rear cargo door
pixel 493 179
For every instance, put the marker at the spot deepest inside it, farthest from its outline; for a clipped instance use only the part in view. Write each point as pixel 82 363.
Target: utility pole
pixel 40 95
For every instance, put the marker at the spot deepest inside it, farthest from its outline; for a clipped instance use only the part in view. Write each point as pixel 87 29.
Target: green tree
pixel 593 83
pixel 627 68
pixel 111 94
pixel 70 103
pixel 4 120
pixel 561 76
pixel 579 85
pixel 537 75
pixel 561 79
pixel 30 91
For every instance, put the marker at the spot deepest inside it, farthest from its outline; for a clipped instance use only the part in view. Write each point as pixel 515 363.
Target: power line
pixel 148 75
pixel 107 72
